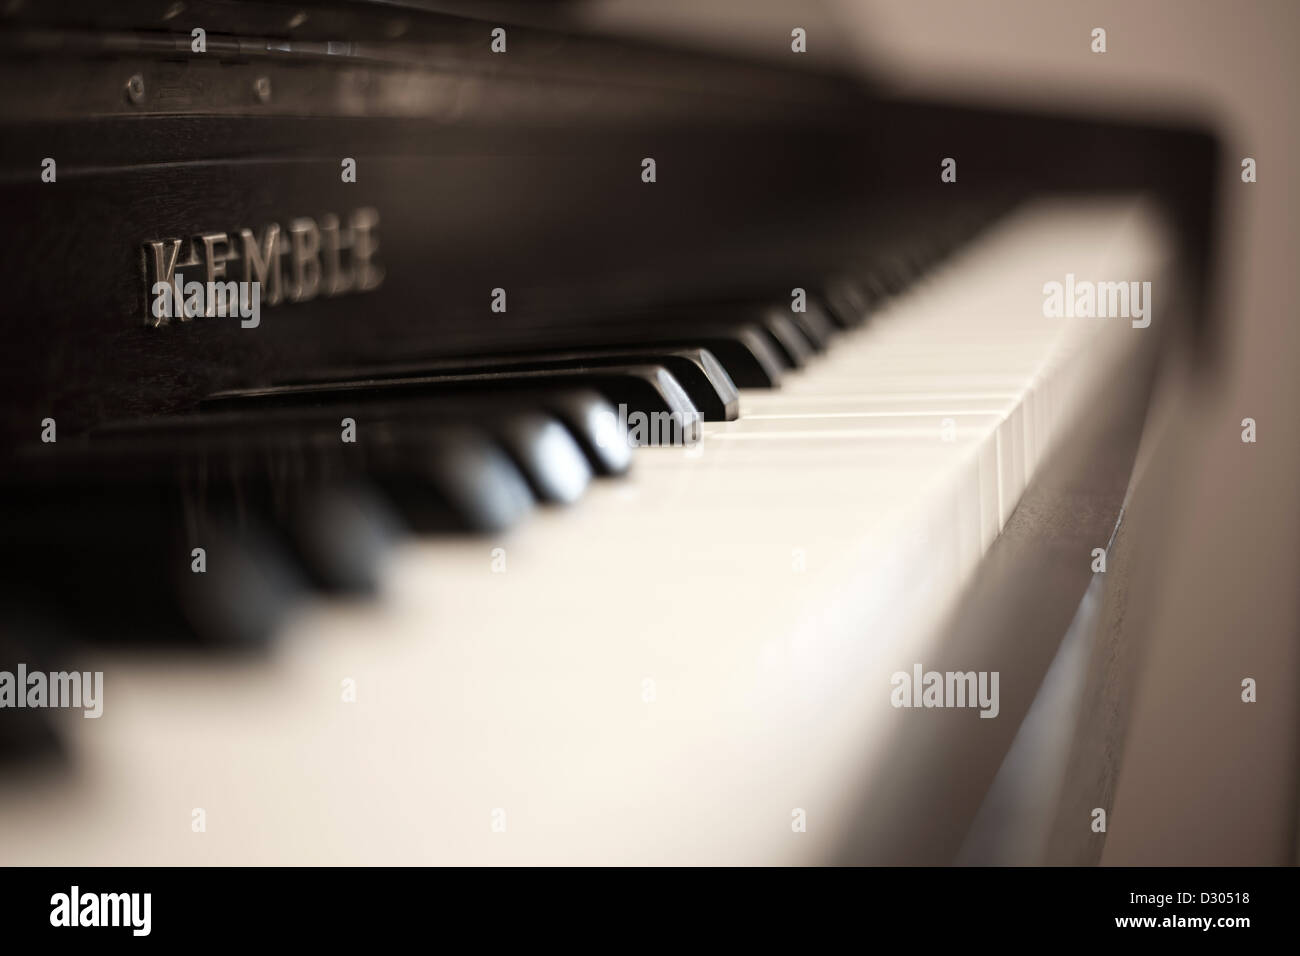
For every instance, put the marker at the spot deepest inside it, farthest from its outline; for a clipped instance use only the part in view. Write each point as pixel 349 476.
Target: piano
pixel 595 430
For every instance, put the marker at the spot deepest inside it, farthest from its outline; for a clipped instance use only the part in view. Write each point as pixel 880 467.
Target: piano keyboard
pixel 669 670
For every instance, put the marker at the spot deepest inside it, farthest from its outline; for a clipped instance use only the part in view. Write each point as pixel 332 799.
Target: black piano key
pixel 879 287
pixel 650 390
pixel 595 425
pixel 731 331
pixel 815 325
pixel 28 640
pixel 746 354
pixel 696 370
pixel 848 301
pixel 893 273
pixel 748 344
pixel 142 562
pixel 672 404
pixel 791 346
pixel 247 590
pixel 713 391
pixel 485 397
pixel 439 467
pixel 744 350
pixel 547 454
pixel 643 387
pixel 27 735
pixel 588 417
pixel 453 479
pixel 537 440
pixel 538 443
pixel 700 375
pixel 342 534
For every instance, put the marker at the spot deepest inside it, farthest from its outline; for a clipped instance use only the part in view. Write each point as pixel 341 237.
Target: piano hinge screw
pixel 262 88
pixel 135 88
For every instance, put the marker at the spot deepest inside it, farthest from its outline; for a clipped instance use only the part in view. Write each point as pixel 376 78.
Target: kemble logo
pixel 309 259
pixel 946 689
pixel 1098 300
